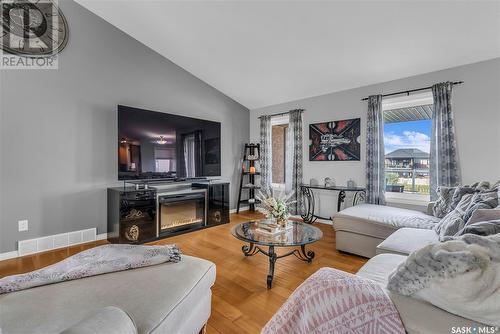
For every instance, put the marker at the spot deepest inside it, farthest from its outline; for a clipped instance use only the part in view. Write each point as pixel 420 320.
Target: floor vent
pixel 44 244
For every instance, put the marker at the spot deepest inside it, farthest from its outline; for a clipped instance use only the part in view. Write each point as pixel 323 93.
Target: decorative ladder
pixel 251 153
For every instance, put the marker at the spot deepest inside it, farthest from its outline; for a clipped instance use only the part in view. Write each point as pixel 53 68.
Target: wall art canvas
pixel 335 141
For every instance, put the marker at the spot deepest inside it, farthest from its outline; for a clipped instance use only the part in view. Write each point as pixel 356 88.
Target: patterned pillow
pixel 496 187
pixel 443 204
pixel 482 200
pixel 482 215
pixel 456 220
pixel 453 221
pixel 460 191
pixel 488 227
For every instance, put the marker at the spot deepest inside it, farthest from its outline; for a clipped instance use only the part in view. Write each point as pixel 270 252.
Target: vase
pixel 281 222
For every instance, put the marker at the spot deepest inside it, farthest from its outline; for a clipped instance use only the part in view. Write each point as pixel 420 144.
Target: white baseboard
pixel 51 242
pixel 243 208
pixel 8 255
pixel 102 236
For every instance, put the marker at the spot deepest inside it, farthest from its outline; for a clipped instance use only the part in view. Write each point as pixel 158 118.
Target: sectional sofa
pixel 418 316
pixel 362 228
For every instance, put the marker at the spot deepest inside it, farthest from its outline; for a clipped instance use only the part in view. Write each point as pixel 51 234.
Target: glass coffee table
pixel 300 234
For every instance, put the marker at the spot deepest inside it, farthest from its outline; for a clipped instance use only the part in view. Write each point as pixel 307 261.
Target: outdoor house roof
pixel 407 153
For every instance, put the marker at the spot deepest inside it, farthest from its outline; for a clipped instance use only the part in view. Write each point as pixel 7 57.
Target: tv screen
pixel 157 145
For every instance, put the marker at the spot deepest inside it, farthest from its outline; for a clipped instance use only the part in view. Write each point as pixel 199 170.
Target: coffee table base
pixel 302 254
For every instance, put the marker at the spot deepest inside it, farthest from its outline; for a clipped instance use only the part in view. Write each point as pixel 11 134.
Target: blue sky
pixel 414 134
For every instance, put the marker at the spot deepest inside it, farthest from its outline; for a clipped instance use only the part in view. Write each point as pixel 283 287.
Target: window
pixel 164 160
pixel 279 132
pixel 407 132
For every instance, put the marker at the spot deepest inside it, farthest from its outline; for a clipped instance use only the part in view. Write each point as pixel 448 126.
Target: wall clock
pixel 32 28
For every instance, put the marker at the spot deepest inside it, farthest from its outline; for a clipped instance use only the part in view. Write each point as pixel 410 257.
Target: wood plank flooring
pixel 241 303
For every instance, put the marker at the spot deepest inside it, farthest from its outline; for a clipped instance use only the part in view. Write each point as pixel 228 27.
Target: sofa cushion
pixel 379 220
pixel 157 298
pixel 379 267
pixel 109 320
pixel 419 317
pixel 406 240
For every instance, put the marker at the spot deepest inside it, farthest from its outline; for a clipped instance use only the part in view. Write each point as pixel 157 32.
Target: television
pixel 157 145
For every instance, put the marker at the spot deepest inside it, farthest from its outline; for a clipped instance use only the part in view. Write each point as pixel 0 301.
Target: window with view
pixel 279 132
pixel 407 132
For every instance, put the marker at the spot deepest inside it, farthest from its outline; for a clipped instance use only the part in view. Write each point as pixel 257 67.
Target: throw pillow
pixel 485 228
pixel 454 220
pixel 459 193
pixel 496 187
pixel 482 200
pixel 442 206
pixel 460 276
pixel 482 215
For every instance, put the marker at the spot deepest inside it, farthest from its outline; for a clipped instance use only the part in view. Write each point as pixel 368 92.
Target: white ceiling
pixel 266 52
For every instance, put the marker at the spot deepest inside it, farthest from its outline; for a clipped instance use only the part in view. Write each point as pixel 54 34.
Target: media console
pixel 159 210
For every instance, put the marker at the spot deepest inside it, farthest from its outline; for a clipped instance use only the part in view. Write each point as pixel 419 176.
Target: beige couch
pixel 166 298
pixel 361 228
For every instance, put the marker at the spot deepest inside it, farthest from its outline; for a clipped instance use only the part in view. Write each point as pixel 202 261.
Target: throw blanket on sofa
pixel 95 261
pixel 461 276
pixel 333 301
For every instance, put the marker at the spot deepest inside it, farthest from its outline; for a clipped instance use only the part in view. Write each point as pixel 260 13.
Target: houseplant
pixel 275 207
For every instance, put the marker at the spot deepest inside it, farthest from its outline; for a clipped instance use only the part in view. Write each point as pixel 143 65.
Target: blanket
pixel 461 276
pixel 95 261
pixel 333 301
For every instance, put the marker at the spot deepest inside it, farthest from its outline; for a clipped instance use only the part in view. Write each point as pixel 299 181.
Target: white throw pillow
pixel 461 276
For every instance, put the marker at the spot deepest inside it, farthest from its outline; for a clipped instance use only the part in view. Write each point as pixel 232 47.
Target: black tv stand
pixel 134 214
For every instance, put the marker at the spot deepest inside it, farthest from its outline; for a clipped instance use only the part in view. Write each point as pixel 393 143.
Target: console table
pixel 307 191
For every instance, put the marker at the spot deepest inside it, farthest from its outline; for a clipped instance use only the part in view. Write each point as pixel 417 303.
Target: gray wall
pixel 476 106
pixel 59 133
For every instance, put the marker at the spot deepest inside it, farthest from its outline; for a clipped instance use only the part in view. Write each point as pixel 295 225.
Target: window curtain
pixel 375 156
pixel 444 157
pixel 294 162
pixel 265 152
pixel 189 155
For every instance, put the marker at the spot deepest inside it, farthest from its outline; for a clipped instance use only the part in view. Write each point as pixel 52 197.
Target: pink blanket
pixel 333 301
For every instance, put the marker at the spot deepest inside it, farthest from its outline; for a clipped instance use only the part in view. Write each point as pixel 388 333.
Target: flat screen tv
pixel 157 145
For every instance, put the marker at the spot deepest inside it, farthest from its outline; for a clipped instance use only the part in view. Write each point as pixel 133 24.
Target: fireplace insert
pixel 181 211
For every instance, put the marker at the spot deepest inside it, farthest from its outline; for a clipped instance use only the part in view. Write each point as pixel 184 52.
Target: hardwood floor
pixel 241 303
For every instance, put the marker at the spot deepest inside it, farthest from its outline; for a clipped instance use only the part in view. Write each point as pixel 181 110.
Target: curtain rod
pixel 282 113
pixel 413 90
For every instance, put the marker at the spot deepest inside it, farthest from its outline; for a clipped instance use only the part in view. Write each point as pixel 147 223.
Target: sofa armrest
pixel 430 208
pixel 110 320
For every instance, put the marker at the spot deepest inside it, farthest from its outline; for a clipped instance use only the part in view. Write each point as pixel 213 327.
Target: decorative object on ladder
pixel 251 154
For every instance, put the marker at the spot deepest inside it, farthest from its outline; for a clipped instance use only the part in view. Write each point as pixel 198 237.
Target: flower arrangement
pixel 275 207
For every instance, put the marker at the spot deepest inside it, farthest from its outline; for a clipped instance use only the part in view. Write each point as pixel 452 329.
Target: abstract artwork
pixel 335 141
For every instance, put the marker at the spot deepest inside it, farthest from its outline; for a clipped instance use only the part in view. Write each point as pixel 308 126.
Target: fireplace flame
pixel 180 222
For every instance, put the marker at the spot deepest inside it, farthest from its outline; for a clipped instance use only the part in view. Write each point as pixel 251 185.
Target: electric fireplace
pixel 181 211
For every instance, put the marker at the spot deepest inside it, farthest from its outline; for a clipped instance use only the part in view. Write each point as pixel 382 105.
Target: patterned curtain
pixel 293 175
pixel 375 169
pixel 444 157
pixel 265 152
